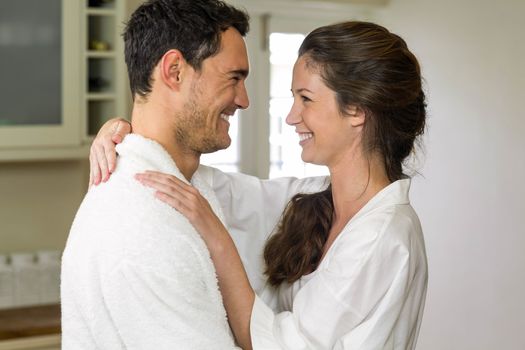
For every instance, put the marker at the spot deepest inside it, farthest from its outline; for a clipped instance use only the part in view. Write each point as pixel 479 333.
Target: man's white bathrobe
pixel 135 273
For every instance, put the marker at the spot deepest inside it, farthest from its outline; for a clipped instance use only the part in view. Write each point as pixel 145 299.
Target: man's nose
pixel 242 100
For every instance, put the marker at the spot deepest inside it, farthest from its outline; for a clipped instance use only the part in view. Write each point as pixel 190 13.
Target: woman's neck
pixel 354 182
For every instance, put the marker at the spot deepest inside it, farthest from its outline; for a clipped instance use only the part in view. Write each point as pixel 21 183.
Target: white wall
pixel 38 201
pixel 471 198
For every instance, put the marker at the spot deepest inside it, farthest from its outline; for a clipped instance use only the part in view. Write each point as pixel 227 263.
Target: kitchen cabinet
pixel 48 342
pixel 104 92
pixel 36 327
pixel 63 74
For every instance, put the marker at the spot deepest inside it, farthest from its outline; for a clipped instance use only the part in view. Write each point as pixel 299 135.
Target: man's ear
pixel 357 115
pixel 173 66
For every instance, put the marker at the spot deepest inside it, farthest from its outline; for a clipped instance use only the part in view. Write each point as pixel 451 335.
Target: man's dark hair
pixel 193 27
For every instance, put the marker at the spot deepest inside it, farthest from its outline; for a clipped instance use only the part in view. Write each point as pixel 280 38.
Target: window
pixel 228 159
pixel 262 143
pixel 285 152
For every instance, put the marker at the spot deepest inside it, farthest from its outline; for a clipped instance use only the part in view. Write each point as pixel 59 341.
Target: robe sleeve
pixel 252 209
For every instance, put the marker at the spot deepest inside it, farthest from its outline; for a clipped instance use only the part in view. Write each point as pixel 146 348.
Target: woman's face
pixel 324 133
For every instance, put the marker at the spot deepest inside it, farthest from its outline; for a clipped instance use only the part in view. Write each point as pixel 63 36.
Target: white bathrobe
pixel 135 273
pixel 369 291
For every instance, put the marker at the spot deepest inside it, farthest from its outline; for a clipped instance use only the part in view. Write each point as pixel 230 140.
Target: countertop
pixel 29 321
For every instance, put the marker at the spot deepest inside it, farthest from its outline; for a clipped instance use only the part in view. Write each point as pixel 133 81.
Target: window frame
pixel 269 16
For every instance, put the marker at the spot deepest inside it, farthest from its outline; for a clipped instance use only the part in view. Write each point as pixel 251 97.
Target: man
pixel 135 273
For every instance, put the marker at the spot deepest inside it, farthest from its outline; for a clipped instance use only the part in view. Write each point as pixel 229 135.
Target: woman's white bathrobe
pixel 368 292
pixel 135 273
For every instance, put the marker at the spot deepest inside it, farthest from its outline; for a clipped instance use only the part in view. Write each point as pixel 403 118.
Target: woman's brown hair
pixel 367 66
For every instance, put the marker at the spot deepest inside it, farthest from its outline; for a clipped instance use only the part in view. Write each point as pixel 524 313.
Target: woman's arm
pixel 102 155
pixel 367 284
pixel 238 295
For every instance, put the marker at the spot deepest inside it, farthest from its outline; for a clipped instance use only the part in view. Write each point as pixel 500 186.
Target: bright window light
pixel 285 152
pixel 226 160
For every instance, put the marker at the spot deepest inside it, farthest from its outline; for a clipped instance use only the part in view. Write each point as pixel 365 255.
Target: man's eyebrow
pixel 242 72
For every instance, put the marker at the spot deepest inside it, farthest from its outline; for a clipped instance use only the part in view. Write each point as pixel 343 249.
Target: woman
pixel 346 268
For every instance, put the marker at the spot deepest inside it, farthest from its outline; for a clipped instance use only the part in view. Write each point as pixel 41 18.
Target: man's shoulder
pixel 130 223
pixel 120 193
pixel 123 206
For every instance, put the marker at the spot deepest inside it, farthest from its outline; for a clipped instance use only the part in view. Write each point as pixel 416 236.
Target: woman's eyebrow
pixel 301 90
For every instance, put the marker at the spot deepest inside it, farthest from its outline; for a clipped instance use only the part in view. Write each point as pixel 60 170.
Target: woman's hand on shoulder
pixel 102 155
pixel 189 202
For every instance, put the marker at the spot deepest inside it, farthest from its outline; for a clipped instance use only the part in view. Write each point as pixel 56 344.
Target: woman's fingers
pixel 110 154
pixel 174 201
pixel 170 187
pixel 107 143
pixel 121 129
pixel 165 179
pixel 90 183
pixel 94 168
pixel 184 198
pixel 172 194
pixel 171 190
pixel 102 162
pixel 176 193
pixel 162 177
pixel 103 156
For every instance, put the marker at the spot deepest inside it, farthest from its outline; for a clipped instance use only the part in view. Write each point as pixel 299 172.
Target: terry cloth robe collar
pixel 152 153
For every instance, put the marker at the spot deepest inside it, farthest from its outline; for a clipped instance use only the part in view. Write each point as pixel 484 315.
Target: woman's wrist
pixel 219 242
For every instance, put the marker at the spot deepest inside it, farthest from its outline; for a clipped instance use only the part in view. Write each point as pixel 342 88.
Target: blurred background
pixel 62 75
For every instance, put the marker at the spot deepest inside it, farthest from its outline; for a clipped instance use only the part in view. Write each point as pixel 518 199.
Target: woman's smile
pixel 304 137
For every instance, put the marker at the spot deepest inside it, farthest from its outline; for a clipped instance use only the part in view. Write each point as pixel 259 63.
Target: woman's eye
pixel 305 99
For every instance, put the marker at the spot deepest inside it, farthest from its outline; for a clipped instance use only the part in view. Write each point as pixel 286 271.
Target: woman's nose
pixel 293 116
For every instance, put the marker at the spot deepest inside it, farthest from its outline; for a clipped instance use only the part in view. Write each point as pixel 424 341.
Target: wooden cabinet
pixel 47 342
pixel 63 74
pixel 35 328
pixel 104 92
pixel 41 98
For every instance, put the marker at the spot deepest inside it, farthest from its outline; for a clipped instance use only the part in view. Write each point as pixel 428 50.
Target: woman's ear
pixel 357 115
pixel 172 69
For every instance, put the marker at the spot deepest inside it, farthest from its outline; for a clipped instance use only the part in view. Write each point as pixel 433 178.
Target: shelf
pixel 100 96
pixel 44 342
pixel 100 11
pixel 101 75
pixel 101 29
pixel 99 112
pixel 100 54
pixel 46 153
pixel 104 67
pixel 29 321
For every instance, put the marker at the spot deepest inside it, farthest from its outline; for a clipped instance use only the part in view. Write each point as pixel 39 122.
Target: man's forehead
pixel 232 57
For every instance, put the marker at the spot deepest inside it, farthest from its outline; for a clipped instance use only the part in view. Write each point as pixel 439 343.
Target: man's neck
pixel 187 161
pixel 151 122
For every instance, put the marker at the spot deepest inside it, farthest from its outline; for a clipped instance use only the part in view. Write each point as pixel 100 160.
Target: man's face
pixel 217 91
